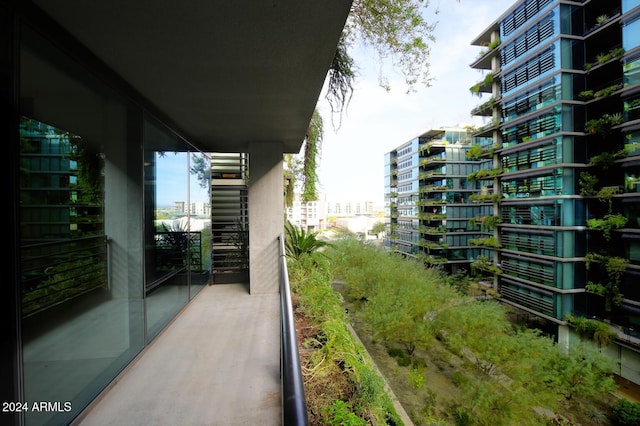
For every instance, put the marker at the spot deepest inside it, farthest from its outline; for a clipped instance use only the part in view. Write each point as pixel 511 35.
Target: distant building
pixel 430 211
pixel 310 215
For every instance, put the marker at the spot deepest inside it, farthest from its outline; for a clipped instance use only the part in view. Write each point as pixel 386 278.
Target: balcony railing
pixel 294 406
pixel 56 272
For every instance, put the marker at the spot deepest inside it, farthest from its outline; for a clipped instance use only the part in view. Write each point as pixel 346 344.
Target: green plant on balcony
pixel 434 260
pixel 606 159
pixel 607 224
pixel 602 58
pixel 610 290
pixel 438 230
pixel 491 242
pixel 485 222
pixel 586 95
pixel 487 81
pixel 485 174
pixel 475 151
pixel 601 19
pixel 618 52
pixel 483 198
pixel 587 183
pixel 494 43
pixel 603 125
pixel 606 193
pixel 607 91
pixel 484 264
pixel 597 331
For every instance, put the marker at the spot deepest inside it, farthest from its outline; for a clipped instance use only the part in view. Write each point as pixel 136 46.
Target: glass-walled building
pixel 109 114
pixel 560 78
pixel 434 209
pixel 84 315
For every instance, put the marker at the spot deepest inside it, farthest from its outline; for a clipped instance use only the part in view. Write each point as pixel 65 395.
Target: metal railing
pixel 294 406
pixel 57 271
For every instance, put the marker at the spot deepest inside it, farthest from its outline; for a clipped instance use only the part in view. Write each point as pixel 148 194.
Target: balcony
pixel 230 357
pixel 217 363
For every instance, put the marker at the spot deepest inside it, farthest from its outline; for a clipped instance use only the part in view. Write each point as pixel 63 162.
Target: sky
pixel 377 121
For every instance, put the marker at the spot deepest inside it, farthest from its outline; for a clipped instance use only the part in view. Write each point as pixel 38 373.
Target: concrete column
pixel 563 337
pixel 266 216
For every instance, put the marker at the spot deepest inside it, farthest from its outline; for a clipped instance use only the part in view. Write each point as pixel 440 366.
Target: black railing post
pixel 294 406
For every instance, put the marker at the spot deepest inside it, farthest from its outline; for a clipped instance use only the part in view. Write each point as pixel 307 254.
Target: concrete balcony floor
pixel 217 363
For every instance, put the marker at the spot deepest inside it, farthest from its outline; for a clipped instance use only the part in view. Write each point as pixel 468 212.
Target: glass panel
pixel 200 223
pixel 631 34
pixel 632 71
pixel 627 5
pixel 81 295
pixel 167 243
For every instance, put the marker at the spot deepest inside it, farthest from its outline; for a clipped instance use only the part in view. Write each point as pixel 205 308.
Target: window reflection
pixel 178 239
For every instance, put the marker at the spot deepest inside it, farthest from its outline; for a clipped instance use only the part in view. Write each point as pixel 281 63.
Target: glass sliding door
pixel 81 299
pixel 178 218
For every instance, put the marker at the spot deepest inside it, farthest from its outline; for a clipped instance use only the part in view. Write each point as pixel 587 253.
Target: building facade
pixel 308 215
pixel 433 210
pixel 110 112
pixel 562 81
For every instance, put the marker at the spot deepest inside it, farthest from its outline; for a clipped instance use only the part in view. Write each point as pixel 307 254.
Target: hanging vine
pixel 312 146
pixel 340 80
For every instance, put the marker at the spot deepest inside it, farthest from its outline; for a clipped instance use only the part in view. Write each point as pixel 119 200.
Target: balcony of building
pixel 218 363
pixel 170 81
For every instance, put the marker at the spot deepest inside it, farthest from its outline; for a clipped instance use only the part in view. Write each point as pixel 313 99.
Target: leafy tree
pixel 401 308
pixel 395 30
pixel 378 228
pixel 583 371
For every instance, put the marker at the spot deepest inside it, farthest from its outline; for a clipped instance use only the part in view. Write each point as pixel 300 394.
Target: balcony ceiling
pixel 226 73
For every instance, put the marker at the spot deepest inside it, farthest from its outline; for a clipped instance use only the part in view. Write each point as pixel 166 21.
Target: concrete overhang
pixel 225 73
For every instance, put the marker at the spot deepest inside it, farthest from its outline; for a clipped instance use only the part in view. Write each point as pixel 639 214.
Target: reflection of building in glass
pixel 562 85
pixel 64 245
pixel 61 184
pixel 430 211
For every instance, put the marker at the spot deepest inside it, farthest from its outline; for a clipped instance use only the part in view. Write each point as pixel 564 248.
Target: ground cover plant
pixel 342 387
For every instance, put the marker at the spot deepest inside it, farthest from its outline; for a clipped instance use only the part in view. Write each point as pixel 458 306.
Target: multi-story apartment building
pixel 563 79
pixel 308 215
pixel 349 207
pixel 431 209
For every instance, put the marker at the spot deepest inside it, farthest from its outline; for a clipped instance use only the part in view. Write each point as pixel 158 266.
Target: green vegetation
pixel 299 242
pixel 341 385
pixel 607 224
pixel 499 381
pixel 597 331
pixel 486 223
pixel 610 289
pixel 485 242
pixel 602 126
pixel 485 174
pixel 627 413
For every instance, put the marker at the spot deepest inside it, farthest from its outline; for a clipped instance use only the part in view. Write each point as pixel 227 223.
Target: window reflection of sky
pixel 173 178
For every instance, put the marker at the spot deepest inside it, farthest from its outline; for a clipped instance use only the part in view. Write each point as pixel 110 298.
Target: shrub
pixel 627 413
